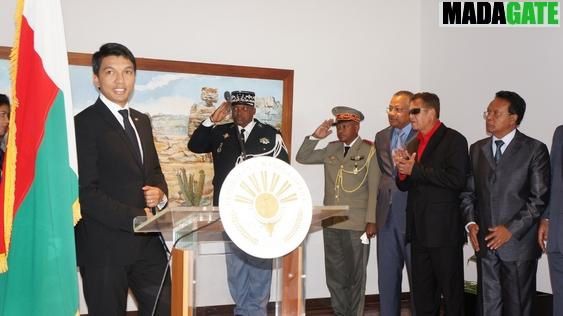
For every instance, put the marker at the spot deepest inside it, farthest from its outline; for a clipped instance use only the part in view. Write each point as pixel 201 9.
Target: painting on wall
pixel 178 96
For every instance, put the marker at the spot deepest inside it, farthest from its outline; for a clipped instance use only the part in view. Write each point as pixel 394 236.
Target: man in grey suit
pixel 507 192
pixel 551 227
pixel 351 178
pixel 393 252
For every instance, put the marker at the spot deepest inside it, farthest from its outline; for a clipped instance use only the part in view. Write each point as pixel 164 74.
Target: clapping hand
pixel 404 161
pixel 324 129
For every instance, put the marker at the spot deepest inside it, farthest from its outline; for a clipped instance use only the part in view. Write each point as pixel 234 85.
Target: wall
pixel 343 54
pixel 466 66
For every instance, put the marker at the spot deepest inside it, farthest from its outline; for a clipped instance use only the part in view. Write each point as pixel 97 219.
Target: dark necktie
pixel 242 135
pixel 498 153
pixel 346 148
pixel 131 133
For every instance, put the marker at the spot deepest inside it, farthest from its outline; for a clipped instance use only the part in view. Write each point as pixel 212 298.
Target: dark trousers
pixel 345 267
pixel 392 254
pixel 555 260
pixel 505 287
pixel 105 287
pixel 437 274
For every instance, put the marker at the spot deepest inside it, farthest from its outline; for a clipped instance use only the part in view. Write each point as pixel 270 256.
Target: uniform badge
pixel 226 135
pixel 264 141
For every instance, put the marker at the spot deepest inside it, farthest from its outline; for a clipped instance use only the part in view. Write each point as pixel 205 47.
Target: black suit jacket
pixel 110 182
pixel 513 193
pixel 555 207
pixel 434 218
pixel 222 142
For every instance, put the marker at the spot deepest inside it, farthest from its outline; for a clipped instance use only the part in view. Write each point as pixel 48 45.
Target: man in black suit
pixel 551 227
pixel 433 170
pixel 249 277
pixel 507 191
pixel 393 252
pixel 119 178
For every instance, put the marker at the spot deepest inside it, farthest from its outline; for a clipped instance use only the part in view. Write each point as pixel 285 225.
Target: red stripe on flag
pixel 36 93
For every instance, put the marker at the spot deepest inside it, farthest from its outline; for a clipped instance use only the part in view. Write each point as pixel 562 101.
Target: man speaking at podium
pixel 351 178
pixel 249 277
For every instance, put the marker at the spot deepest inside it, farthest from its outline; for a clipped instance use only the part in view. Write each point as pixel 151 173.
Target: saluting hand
pixel 324 129
pixel 221 112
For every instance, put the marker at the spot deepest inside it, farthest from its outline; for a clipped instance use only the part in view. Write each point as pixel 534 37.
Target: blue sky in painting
pixel 160 92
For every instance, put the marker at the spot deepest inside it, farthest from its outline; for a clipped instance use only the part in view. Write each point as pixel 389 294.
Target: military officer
pixel 249 277
pixel 351 178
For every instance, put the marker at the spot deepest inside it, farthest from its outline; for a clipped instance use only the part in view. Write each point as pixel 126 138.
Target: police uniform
pixel 352 180
pixel 249 277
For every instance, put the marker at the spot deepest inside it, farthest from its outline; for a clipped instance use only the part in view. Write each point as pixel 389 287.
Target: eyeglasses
pixel 495 114
pixel 416 111
pixel 395 109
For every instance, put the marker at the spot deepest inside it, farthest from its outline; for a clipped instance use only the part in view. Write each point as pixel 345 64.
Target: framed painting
pixel 178 96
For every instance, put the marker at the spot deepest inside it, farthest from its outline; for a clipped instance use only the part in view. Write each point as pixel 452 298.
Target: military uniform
pixel 349 180
pixel 222 142
pixel 249 277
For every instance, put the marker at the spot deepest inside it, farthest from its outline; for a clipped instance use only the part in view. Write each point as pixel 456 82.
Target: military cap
pixel 242 97
pixel 344 113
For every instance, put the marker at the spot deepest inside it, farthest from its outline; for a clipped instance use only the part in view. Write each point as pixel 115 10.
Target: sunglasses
pixel 416 111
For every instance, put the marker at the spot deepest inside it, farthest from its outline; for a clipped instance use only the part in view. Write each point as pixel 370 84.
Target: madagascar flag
pixel 39 186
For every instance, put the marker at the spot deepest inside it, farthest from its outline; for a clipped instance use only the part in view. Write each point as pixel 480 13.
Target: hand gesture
pixel 153 195
pixel 473 230
pixel 404 161
pixel 497 237
pixel 221 113
pixel 542 233
pixel 324 129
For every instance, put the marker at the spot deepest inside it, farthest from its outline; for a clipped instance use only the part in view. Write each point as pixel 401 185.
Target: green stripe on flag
pixel 42 279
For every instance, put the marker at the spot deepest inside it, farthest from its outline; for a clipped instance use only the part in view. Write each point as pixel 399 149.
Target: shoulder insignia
pixel 367 141
pixel 264 141
pixel 266 125
pixel 334 141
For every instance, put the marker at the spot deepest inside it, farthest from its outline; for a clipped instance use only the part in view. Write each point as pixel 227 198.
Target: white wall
pixel 466 66
pixel 353 53
pixel 343 53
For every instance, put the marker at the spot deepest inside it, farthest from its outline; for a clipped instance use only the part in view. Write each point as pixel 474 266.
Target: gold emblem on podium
pixel 265 207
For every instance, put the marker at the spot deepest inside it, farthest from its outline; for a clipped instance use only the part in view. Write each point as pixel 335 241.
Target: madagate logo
pixel 499 14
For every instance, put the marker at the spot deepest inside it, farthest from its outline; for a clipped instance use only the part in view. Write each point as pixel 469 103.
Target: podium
pixel 189 228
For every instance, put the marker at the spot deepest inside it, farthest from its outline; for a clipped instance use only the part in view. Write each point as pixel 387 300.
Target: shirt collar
pixel 353 142
pixel 405 130
pixel 506 139
pixel 424 138
pixel 114 108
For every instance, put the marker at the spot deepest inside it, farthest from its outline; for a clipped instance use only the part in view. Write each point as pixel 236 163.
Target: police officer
pixel 351 178
pixel 249 277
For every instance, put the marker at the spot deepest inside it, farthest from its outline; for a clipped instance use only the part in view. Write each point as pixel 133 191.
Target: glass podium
pixel 198 241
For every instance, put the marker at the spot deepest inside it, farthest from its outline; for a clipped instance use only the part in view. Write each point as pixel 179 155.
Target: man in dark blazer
pixel 433 170
pixel 119 178
pixel 249 277
pixel 393 252
pixel 507 192
pixel 551 227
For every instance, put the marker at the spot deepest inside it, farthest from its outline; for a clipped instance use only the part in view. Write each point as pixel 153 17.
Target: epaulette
pixel 334 141
pixel 367 142
pixel 266 125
